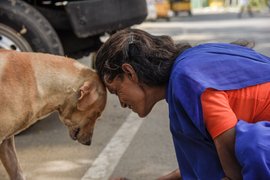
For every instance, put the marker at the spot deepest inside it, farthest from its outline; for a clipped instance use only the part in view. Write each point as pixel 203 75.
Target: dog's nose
pixel 88 143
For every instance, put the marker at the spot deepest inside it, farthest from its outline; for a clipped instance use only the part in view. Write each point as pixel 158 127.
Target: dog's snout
pixel 88 143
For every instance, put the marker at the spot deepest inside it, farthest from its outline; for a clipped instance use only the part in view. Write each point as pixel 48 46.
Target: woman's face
pixel 130 94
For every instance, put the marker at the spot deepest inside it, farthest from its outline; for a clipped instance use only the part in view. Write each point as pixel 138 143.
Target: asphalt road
pixel 123 144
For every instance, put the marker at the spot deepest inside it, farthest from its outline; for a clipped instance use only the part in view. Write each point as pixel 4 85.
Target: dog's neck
pixel 62 84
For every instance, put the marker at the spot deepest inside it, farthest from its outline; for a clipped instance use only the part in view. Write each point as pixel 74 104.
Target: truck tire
pixel 23 28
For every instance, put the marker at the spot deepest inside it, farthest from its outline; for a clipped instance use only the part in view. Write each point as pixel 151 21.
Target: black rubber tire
pixel 23 24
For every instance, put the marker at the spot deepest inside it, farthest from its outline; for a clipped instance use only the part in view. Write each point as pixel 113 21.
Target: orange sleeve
pixel 217 113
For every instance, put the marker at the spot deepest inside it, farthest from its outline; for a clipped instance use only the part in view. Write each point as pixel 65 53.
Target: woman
pixel 218 97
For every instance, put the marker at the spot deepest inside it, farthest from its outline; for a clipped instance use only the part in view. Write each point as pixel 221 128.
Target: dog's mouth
pixel 74 133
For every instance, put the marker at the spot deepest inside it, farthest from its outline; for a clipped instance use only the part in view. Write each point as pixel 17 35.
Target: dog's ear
pixel 87 96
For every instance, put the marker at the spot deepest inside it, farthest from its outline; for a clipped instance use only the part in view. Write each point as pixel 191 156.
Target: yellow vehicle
pixel 163 9
pixel 181 6
pixel 216 3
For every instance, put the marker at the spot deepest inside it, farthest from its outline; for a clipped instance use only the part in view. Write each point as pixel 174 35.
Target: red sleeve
pixel 217 113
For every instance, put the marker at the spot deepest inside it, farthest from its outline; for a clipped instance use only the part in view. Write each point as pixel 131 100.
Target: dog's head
pixel 81 111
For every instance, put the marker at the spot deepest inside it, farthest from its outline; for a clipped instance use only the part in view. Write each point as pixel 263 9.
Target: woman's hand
pixel 174 175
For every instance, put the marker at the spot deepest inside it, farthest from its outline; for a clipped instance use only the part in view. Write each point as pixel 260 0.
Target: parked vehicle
pixel 163 9
pixel 71 27
pixel 181 6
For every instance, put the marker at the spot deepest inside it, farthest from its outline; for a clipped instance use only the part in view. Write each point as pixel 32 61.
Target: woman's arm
pixel 220 121
pixel 225 144
pixel 174 175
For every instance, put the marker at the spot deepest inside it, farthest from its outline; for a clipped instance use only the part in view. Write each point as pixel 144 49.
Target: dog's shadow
pixel 47 132
pixel 50 123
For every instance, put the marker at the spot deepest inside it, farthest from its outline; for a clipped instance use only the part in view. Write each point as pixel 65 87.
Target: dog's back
pixel 15 77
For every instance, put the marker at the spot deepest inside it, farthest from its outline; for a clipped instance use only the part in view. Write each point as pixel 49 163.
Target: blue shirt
pixel 216 65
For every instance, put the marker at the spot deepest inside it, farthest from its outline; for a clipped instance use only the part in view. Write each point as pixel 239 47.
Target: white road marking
pixel 105 163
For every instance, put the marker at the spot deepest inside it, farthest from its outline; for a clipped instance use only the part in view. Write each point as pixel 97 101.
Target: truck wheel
pixel 23 28
pixel 9 39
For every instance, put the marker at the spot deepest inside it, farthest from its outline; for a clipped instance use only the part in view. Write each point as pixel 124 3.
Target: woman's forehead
pixel 114 84
pixel 110 89
pixel 111 85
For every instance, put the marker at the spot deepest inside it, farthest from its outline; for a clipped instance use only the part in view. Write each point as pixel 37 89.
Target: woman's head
pixel 134 65
pixel 150 56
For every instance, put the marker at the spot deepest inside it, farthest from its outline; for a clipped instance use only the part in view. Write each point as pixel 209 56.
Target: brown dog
pixel 33 85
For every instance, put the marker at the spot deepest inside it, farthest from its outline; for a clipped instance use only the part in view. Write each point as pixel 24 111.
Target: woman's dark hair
pixel 244 43
pixel 150 56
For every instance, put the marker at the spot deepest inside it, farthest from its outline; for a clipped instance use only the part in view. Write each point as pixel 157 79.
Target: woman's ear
pixel 130 72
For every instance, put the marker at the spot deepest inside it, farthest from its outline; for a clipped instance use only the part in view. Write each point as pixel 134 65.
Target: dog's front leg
pixel 9 159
